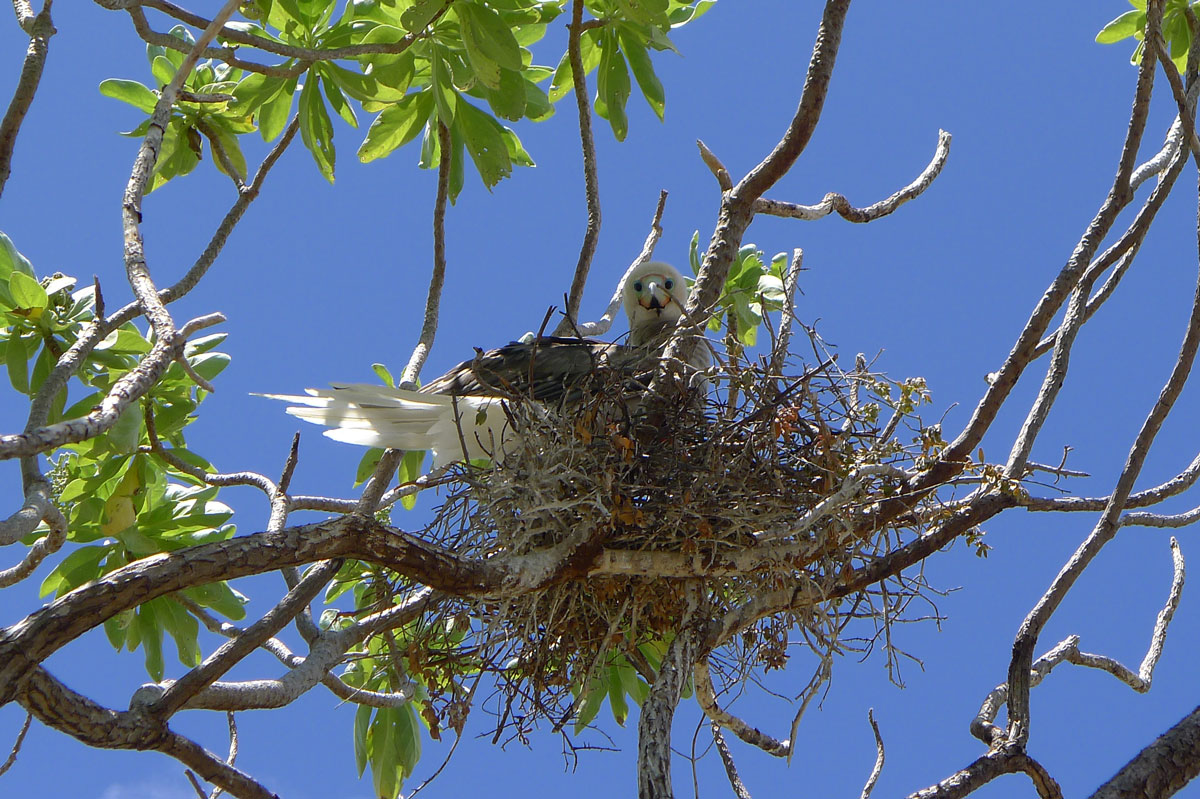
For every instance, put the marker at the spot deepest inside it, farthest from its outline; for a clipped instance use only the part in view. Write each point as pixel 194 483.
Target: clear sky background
pixel 320 281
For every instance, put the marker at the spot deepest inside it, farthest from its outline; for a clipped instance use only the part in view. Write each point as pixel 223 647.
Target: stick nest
pixel 743 466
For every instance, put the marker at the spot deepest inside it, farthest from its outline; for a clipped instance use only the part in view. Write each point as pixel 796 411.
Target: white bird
pixel 461 415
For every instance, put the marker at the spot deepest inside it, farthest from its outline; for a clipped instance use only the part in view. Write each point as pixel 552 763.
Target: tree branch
pixel 591 182
pixel 40 29
pixel 433 300
pixel 837 202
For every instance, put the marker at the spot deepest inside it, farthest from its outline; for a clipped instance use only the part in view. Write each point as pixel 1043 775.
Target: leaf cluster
pixel 1176 29
pixel 122 502
pixel 418 64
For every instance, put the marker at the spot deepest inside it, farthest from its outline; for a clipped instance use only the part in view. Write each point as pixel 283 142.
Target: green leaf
pixel 41 369
pixel 408 738
pixel 210 364
pixel 396 126
pixel 75 569
pixel 613 87
pixel 254 90
pixel 418 15
pixel 183 629
pixel 537 105
pixel 362 723
pixel 315 128
pixel 147 625
pixel 129 91
pixel 486 68
pixel 337 101
pixel 492 35
pixel 274 113
pixel 515 151
pixel 643 72
pixel 410 469
pixel 443 88
pixel 11 259
pixel 592 702
pixel 27 293
pixel 221 598
pixel 384 374
pixel 126 433
pixel 360 87
pixel 16 357
pixel 589 53
pixel 647 12
pixel 484 140
pixel 203 344
pixel 163 70
pixel 457 167
pixel 366 465
pixel 184 35
pixel 1128 24
pixel 616 696
pixel 508 100
pixel 229 143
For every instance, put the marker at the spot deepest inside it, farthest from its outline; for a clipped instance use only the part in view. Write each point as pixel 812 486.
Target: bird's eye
pixel 670 284
pixel 637 286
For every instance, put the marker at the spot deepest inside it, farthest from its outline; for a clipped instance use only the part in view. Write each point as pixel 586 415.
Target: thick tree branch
pixel 658 709
pixel 737 205
pixel 1162 768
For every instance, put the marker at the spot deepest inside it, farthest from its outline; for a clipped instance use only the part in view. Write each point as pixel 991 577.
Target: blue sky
pixel 321 281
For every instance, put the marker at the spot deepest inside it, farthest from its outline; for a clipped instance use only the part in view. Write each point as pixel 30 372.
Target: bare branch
pixel 1050 303
pixel 1109 521
pixel 433 300
pixel 737 205
pixel 41 548
pixel 214 141
pixel 1006 760
pixel 219 662
pixel 739 787
pixel 878 768
pixel 16 747
pixel 790 285
pixel 591 181
pixel 602 325
pixel 143 165
pixel 40 29
pixel 706 696
pixel 715 166
pixel 836 202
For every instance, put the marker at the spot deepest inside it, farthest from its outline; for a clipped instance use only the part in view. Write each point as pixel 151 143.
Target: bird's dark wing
pixel 548 369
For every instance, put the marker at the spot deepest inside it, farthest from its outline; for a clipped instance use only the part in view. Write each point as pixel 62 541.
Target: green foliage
pixel 121 501
pixel 389 739
pixel 436 54
pixel 191 122
pixel 752 288
pixel 1176 31
pixel 616 681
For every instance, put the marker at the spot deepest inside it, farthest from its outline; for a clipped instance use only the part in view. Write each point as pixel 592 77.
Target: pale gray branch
pixel 836 202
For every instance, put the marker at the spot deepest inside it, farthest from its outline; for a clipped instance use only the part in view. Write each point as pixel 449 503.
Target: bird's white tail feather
pixel 378 416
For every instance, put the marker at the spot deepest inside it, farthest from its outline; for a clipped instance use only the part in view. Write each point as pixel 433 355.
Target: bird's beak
pixel 660 298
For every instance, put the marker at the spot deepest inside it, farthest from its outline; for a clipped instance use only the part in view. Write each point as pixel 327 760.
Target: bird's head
pixel 654 296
